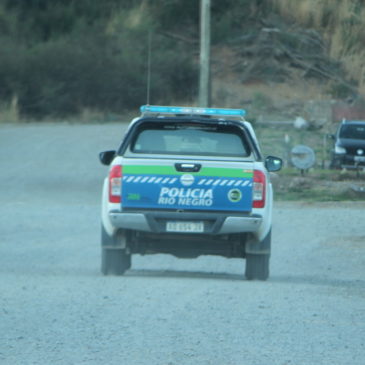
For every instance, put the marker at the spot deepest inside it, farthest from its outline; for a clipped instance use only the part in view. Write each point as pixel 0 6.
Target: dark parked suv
pixel 349 148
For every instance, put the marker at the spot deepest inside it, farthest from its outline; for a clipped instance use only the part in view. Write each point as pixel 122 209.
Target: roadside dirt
pixel 319 185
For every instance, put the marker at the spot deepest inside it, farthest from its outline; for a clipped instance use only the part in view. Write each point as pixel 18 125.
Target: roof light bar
pixel 192 110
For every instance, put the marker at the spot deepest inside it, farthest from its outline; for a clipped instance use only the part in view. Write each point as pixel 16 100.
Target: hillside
pixel 87 58
pixel 303 52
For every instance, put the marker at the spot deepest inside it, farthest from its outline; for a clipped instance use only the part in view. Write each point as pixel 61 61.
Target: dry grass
pixel 9 112
pixel 311 13
pixel 343 24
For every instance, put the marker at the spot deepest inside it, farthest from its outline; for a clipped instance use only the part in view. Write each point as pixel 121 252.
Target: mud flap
pixel 263 247
pixel 116 241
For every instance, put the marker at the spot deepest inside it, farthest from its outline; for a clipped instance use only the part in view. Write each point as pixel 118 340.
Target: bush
pixel 90 65
pixel 62 77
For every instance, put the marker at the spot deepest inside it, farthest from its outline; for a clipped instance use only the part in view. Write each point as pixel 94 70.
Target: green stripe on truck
pixel 170 170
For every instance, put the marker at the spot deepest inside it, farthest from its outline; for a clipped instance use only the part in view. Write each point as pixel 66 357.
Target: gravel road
pixel 56 308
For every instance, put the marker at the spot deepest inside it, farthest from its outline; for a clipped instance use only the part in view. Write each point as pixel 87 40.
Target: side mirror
pixel 331 136
pixel 106 157
pixel 273 163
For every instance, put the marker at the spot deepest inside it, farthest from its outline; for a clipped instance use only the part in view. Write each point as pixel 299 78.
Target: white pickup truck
pixel 188 181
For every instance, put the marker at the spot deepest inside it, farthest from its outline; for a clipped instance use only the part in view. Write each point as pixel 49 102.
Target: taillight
pixel 115 184
pixel 259 189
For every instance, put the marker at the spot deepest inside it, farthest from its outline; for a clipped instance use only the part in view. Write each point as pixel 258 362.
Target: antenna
pixel 149 67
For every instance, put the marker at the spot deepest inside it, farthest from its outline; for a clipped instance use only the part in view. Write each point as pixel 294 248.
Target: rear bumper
pixel 214 223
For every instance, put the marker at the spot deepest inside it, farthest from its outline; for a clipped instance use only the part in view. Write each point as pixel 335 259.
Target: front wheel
pixel 257 266
pixel 114 261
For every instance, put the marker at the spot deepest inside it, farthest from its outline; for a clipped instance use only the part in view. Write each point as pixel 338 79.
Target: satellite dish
pixel 302 157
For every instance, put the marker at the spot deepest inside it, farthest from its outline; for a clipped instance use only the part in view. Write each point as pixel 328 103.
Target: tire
pixel 114 261
pixel 257 267
pixel 334 165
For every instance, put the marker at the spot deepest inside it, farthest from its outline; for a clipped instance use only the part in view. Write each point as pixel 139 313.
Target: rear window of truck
pixel 205 140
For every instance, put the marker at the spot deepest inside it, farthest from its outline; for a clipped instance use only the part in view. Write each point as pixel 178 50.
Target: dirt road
pixel 56 308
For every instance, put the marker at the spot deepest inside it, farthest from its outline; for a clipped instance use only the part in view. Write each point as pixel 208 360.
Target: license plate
pixel 195 227
pixel 360 158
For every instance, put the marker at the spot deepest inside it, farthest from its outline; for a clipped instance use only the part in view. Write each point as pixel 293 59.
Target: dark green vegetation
pixel 60 57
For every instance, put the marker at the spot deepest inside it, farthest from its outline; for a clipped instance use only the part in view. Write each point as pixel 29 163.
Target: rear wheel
pixel 335 164
pixel 257 267
pixel 114 261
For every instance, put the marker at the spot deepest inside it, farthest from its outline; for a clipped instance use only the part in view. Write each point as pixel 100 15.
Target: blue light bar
pixel 192 110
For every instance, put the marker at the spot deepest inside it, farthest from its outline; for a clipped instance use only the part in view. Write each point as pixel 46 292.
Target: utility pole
pixel 204 80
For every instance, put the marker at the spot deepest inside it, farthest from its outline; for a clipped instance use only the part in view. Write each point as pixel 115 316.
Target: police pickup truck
pixel 188 181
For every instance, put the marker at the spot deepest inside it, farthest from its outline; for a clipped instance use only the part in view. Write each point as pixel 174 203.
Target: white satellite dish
pixel 302 157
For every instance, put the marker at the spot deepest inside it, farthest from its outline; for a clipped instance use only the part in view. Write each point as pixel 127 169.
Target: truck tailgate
pixel 213 188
